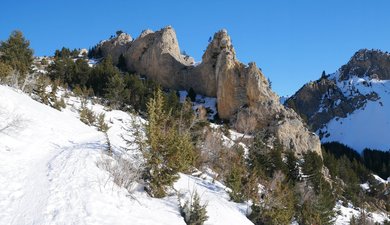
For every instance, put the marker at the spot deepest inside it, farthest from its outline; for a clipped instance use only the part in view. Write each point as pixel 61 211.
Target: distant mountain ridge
pixel 352 105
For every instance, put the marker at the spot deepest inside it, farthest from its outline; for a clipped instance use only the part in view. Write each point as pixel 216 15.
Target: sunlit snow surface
pixel 48 172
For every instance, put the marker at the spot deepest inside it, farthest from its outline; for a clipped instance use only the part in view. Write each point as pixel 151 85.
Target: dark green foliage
pixel 256 215
pixel 101 75
pixel 81 73
pixel 86 115
pixel 122 63
pixel 101 124
pixel 16 54
pixel 68 71
pixel 138 91
pixel 319 208
pixel 257 158
pixel 338 150
pixel 376 187
pixel 171 149
pixel 193 212
pixel 95 52
pixel 264 159
pixel 377 161
pixel 40 90
pixel 191 94
pixel 62 69
pixel 103 80
pixel 173 103
pixel 325 203
pixel 236 175
pixel 349 172
pixel 66 53
pixel 292 167
pixel 115 90
pixel 278 205
pixel 374 160
pixel 311 168
pixel 5 70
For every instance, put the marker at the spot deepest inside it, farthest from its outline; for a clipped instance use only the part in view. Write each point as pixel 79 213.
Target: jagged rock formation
pixel 320 101
pixel 157 55
pixel 374 64
pixel 340 94
pixel 115 46
pixel 243 93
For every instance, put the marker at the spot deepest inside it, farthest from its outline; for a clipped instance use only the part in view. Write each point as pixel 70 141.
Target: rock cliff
pixel 115 46
pixel 243 93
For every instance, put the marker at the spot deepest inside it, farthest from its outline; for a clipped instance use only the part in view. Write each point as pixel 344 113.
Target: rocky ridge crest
pixel 243 94
pixel 339 94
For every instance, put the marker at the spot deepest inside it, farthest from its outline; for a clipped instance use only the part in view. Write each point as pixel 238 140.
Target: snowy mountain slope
pixel 368 126
pixel 352 105
pixel 43 156
pixel 48 172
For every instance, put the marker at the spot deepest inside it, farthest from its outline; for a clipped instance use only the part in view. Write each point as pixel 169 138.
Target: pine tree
pixel 278 205
pixel 325 203
pixel 81 73
pixel 236 175
pixel 258 159
pixel 115 90
pixel 319 208
pixel 193 212
pixel 101 124
pixel 122 63
pixel 170 151
pixel 172 102
pixel 16 52
pixel 292 167
pixel 101 75
pixel 87 116
pixel 312 168
pixel 191 94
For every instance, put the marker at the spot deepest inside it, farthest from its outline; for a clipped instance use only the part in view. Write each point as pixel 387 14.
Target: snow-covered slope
pixel 352 105
pixel 49 175
pixel 368 126
pixel 345 214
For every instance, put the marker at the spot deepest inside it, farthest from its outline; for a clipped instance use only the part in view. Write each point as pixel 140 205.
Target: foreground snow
pixel 48 172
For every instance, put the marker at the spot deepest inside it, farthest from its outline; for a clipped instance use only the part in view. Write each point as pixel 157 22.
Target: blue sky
pixel 291 41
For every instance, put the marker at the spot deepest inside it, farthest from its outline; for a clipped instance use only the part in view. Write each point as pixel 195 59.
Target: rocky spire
pixel 370 63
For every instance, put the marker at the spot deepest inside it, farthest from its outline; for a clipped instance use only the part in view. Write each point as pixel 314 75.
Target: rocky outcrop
pixel 243 93
pixel 157 55
pixel 115 46
pixel 367 63
pixel 338 95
